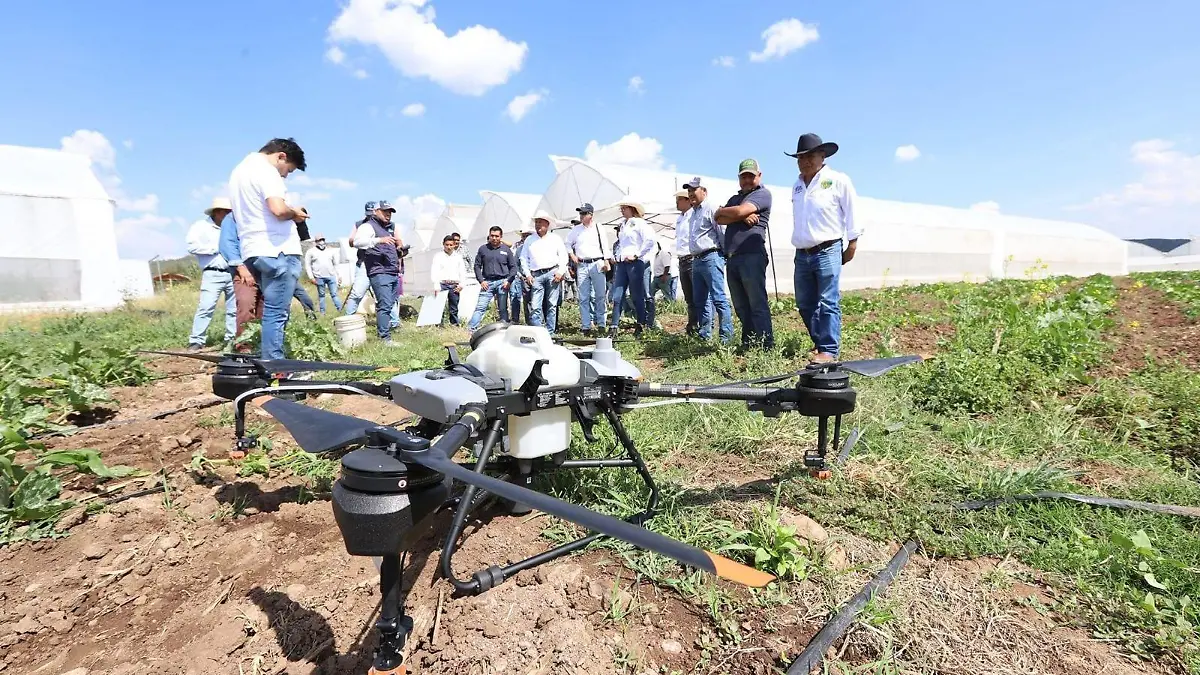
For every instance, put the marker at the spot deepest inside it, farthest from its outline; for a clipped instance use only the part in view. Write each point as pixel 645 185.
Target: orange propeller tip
pixel 739 573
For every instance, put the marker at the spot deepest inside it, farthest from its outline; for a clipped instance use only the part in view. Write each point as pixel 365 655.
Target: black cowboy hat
pixel 809 142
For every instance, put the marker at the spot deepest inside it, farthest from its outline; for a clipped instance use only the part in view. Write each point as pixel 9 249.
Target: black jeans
pixel 451 302
pixel 685 282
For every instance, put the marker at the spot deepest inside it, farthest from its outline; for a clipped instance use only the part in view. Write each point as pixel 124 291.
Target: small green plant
pixel 773 546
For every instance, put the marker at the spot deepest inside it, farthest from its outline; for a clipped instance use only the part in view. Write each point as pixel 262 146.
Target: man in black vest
pixel 382 259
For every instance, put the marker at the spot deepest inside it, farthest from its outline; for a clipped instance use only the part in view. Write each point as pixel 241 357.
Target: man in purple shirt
pixel 745 218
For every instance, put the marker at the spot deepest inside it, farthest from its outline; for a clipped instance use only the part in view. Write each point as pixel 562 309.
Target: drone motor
pixel 234 377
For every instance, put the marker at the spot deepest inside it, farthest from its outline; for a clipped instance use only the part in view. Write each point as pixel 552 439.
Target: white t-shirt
pixel 252 182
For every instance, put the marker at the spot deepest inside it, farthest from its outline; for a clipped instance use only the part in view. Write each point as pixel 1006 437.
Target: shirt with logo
pixel 741 237
pixel 635 238
pixel 823 210
pixel 251 184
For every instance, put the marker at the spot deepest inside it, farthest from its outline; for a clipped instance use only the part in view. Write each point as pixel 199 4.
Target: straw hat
pixel 218 203
pixel 636 206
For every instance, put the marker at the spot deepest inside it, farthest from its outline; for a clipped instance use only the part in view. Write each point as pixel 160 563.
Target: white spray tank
pixel 511 352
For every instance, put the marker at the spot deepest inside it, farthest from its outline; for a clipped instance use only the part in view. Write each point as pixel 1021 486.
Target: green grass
pixel 1011 404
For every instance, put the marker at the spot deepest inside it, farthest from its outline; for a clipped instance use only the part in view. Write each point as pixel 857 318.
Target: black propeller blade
pixel 318 431
pixel 270 365
pixel 877 367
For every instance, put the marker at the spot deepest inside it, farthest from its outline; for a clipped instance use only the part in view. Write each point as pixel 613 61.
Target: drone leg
pixel 465 504
pixel 638 463
pixel 242 443
pixel 815 459
pixel 393 627
pixel 837 432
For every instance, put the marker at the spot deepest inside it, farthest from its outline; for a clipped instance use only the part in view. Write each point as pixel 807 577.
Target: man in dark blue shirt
pixel 745 217
pixel 495 270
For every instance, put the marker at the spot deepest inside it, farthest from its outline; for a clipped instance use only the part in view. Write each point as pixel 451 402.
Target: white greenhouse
pixel 454 218
pixel 78 268
pixel 903 244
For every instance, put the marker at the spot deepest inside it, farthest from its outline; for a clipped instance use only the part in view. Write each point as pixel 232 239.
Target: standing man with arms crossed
pixel 267 231
pixel 216 278
pixel 382 260
pixel 590 252
pixel 745 218
pixel 634 253
pixel 708 265
pixel 544 264
pixel 495 270
pixel 823 214
pixel 320 263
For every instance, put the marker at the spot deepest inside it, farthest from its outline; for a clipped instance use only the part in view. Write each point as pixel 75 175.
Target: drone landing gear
pixel 814 458
pixel 486 579
pixel 393 626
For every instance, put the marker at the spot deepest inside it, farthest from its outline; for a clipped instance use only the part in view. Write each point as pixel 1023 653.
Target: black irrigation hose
pixel 1169 509
pixel 814 653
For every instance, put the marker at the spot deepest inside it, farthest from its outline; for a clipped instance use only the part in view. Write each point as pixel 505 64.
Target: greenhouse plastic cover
pixel 43 190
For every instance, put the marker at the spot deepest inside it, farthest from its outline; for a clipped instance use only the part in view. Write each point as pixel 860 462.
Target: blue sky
pixel 1071 110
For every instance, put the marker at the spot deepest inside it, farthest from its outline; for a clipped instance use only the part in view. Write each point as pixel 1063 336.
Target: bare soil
pixel 1152 328
pixel 224 575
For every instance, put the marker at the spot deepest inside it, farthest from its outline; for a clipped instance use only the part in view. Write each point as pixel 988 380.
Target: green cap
pixel 748 166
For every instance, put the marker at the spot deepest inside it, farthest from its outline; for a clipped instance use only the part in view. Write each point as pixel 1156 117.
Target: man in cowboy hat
pixel 216 278
pixel 683 256
pixel 745 217
pixel 590 251
pixel 634 253
pixel 708 264
pixel 381 256
pixel 822 215
pixel 544 264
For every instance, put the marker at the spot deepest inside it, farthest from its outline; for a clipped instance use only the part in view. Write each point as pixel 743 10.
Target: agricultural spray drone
pixel 512 401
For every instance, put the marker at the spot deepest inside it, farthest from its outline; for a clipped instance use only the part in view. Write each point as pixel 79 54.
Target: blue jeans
pixel 212 284
pixel 330 284
pixel 276 278
pixel 593 292
pixel 384 287
pixel 631 276
pixel 708 292
pixel 517 295
pixel 668 290
pixel 358 291
pixel 818 296
pixel 545 289
pixel 495 290
pixel 748 288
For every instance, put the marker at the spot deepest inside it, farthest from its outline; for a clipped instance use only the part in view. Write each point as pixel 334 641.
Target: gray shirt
pixel 741 237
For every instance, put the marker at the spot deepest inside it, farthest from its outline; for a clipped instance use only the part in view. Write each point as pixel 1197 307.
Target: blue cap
pixel 369 208
pixel 383 205
pixel 586 208
pixel 693 183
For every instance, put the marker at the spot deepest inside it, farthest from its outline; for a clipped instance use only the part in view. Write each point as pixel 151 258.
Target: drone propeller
pixel 270 365
pixel 321 431
pixel 877 367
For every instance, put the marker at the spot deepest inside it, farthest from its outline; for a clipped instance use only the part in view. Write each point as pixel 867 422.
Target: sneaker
pixel 192 349
pixel 390 343
pixel 822 357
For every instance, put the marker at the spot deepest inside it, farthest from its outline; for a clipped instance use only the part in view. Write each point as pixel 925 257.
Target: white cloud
pixel 147 204
pixel 1162 201
pixel 470 62
pixel 335 55
pixel 92 144
pixel 207 192
pixel 907 153
pixel 988 207
pixel 360 74
pixel 411 209
pixel 520 106
pixel 413 110
pixel 302 198
pixel 784 37
pixel 629 150
pixel 724 61
pixel 636 84
pixel 148 235
pixel 336 184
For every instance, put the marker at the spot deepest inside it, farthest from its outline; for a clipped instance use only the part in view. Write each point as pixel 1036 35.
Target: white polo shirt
pixel 683 238
pixel 252 182
pixel 587 241
pixel 823 210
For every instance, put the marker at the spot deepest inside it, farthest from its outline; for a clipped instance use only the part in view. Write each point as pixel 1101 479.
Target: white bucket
pixel 351 330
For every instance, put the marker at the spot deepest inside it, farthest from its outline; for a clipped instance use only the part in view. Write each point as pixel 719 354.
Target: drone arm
pixel 730 393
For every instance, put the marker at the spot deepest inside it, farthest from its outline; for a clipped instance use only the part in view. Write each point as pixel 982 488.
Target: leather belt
pixel 705 252
pixel 585 261
pixel 538 273
pixel 820 247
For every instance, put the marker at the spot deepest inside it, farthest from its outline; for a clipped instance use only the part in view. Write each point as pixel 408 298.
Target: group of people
pixel 249 250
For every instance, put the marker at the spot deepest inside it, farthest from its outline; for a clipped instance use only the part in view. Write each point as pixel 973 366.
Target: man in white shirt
pixel 266 228
pixel 663 275
pixel 708 265
pixel 683 257
pixel 448 275
pixel 518 293
pixel 590 251
pixel 320 264
pixel 543 264
pixel 216 278
pixel 635 254
pixel 822 216
pixel 380 251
